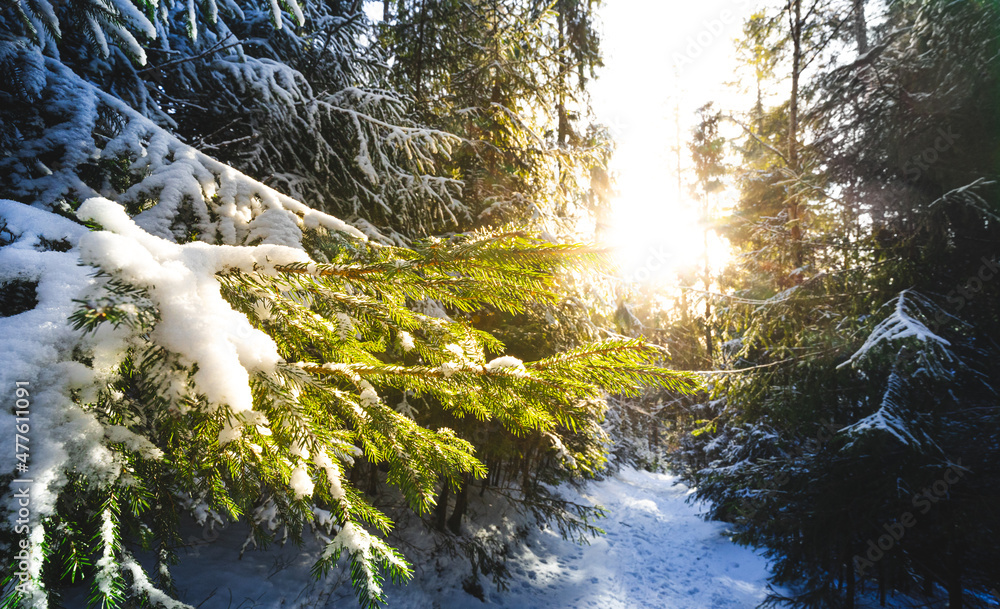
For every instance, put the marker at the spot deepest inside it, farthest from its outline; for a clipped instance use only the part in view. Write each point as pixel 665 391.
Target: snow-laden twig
pixel 902 323
pixel 890 419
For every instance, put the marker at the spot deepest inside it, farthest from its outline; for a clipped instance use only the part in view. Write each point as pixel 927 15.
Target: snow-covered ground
pixel 657 553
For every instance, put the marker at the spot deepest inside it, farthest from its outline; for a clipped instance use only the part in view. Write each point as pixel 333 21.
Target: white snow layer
pixel 507 363
pixel 35 347
pixel 175 175
pixel 195 320
pixel 259 228
pixel 406 341
pixel 901 323
pixel 658 553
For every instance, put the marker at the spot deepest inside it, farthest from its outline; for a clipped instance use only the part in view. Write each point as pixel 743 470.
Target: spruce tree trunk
pixel 418 76
pixel 860 27
pixel 793 210
pixel 849 576
pixel 461 504
pixel 441 509
pixel 491 465
pixel 563 122
pixel 709 347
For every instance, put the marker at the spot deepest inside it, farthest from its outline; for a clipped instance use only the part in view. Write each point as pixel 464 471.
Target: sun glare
pixel 658 72
pixel 657 236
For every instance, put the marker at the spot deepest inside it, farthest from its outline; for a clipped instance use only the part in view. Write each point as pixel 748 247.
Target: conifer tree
pixel 197 344
pixel 494 73
pixel 860 378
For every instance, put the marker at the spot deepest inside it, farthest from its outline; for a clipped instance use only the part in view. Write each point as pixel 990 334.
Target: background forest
pixel 851 426
pixel 314 267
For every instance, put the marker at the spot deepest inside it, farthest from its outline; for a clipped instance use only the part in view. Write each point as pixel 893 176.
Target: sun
pixel 657 73
pixel 657 235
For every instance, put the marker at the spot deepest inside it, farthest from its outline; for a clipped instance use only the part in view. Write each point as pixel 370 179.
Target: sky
pixel 660 55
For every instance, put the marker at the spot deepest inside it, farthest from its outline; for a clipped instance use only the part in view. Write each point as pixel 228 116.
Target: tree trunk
pixel 461 504
pixel 529 452
pixel 563 121
pixel 373 479
pixel 849 568
pixel 795 9
pixel 707 279
pixel 491 465
pixel 441 509
pixel 860 27
pixel 418 75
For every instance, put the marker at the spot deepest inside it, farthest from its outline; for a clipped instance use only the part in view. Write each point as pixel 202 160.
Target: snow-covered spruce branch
pixel 892 418
pixel 219 202
pixel 385 162
pixel 502 269
pixel 905 321
pixel 197 388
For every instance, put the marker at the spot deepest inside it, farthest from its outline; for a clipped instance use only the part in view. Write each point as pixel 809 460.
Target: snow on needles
pixel 358 542
pixel 36 346
pixel 406 341
pixel 242 225
pixel 900 324
pixel 57 258
pixel 227 206
pixel 508 364
pixel 195 320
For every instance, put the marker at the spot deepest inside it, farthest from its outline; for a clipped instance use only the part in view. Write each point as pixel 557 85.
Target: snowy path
pixel 657 554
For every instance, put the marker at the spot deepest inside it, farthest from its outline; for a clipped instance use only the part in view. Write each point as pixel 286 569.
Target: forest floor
pixel 657 553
